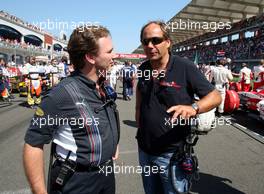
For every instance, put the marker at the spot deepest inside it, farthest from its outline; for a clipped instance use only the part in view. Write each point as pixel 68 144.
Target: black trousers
pixel 126 84
pixel 86 182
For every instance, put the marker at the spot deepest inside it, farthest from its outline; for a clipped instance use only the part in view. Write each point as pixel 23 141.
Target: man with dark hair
pixel 79 116
pixel 169 94
pixel 128 75
pixel 222 76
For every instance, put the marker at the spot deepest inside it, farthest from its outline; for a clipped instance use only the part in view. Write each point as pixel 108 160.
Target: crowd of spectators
pixel 245 23
pixel 239 49
pixel 26 24
pixel 16 44
pixel 247 48
pixel 19 21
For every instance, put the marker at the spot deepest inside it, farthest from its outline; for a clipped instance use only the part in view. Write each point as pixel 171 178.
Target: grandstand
pixel 19 39
pixel 205 27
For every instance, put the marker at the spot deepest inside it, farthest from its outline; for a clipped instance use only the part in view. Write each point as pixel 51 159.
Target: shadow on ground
pixel 249 119
pixel 130 123
pixel 5 104
pixel 210 184
pixel 24 104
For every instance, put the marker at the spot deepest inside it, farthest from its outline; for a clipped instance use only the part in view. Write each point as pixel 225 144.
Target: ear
pixel 168 43
pixel 90 58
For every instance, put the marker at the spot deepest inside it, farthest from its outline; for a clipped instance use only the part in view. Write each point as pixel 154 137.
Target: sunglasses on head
pixel 153 40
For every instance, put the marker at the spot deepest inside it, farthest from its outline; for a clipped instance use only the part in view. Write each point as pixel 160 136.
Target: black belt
pixel 84 168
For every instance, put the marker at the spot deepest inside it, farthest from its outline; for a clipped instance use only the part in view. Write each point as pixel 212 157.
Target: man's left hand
pixel 184 111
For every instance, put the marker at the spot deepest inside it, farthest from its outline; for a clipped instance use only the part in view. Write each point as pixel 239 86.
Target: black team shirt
pixel 175 87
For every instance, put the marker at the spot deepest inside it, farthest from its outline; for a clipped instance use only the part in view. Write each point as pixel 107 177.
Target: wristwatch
pixel 195 107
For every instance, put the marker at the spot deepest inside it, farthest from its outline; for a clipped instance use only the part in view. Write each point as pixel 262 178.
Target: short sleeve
pixel 198 82
pixel 43 123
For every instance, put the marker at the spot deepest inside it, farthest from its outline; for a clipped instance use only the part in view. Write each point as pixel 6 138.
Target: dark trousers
pixel 127 88
pixel 87 182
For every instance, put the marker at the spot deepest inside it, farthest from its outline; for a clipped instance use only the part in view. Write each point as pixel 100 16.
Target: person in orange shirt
pixel 33 82
pixel 4 80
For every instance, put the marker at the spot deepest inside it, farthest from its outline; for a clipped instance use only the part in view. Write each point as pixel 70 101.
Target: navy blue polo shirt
pixel 67 117
pixel 183 80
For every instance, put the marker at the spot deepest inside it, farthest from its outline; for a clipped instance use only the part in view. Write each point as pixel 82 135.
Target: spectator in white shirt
pixel 221 77
pixel 245 76
pixel 259 76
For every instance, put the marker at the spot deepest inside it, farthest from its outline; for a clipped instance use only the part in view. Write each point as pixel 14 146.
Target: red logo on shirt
pixel 170 84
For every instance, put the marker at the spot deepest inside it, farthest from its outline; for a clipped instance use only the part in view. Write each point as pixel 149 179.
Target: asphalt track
pixel 230 157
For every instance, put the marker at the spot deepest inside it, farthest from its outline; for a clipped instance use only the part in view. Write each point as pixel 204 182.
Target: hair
pixel 262 61
pixel 212 63
pixel 3 59
pixel 244 65
pixel 64 59
pixel 32 57
pixel 164 28
pixel 27 59
pixel 84 40
pixel 53 60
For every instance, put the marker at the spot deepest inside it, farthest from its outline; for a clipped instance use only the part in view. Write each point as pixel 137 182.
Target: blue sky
pixel 123 18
